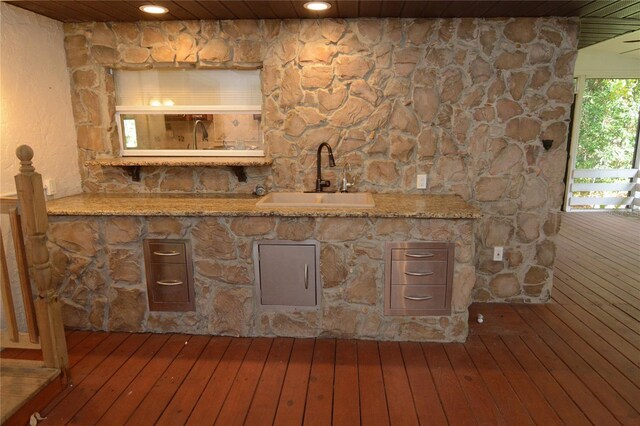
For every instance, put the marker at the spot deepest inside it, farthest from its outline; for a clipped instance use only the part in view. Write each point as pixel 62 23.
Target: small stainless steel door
pixel 288 274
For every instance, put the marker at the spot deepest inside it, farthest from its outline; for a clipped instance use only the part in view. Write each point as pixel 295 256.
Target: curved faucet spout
pixel 320 184
pixel 205 134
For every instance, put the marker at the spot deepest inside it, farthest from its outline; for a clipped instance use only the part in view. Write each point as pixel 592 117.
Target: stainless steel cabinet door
pixel 288 274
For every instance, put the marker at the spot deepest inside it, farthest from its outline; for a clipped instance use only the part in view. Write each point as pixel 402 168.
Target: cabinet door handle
pixel 418 298
pixel 169 282
pixel 418 274
pixel 306 276
pixel 166 253
pixel 419 256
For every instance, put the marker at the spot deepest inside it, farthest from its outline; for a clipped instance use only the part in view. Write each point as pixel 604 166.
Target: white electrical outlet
pixel 50 186
pixel 421 182
pixel 497 253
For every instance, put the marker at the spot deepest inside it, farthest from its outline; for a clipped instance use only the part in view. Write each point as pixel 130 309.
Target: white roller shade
pixel 167 88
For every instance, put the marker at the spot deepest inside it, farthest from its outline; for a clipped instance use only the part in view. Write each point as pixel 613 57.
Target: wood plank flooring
pixel 573 361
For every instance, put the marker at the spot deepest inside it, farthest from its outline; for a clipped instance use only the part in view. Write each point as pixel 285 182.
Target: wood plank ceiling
pixel 600 19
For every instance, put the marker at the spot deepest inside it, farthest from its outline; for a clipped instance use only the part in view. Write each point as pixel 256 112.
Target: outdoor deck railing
pixel 622 182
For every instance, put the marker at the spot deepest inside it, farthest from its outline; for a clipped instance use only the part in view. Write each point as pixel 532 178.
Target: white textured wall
pixel 35 100
pixel 35 109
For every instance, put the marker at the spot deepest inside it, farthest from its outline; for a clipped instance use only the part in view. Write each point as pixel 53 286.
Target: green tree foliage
pixel 609 124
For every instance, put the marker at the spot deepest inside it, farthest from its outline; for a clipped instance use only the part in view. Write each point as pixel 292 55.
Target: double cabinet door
pixel 287 273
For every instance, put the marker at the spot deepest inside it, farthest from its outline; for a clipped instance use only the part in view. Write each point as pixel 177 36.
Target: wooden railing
pixel 626 185
pixel 11 337
pixel 33 221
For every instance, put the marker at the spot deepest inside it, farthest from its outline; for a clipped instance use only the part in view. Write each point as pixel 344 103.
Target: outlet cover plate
pixel 421 181
pixel 498 253
pixel 50 186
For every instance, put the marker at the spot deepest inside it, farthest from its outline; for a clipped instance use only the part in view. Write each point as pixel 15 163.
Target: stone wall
pixel 466 101
pixel 100 265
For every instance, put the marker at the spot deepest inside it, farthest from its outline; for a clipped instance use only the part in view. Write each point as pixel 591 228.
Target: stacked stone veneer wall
pixel 100 265
pixel 466 101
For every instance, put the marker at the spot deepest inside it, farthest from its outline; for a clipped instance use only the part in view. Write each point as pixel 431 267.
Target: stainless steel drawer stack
pixel 418 278
pixel 169 275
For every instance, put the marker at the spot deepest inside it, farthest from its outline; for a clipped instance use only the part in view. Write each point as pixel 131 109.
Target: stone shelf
pixel 132 164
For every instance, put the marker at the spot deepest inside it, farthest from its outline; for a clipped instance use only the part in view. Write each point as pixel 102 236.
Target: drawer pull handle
pixel 169 282
pixel 306 276
pixel 418 298
pixel 166 253
pixel 419 256
pixel 418 274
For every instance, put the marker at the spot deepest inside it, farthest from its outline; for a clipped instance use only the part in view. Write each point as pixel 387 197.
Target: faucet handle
pixel 322 183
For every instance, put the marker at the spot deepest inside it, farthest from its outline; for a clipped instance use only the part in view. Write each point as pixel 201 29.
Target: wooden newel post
pixel 33 211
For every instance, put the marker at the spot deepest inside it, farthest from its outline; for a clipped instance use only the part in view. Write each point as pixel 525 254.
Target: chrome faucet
pixel 205 134
pixel 332 163
pixel 345 183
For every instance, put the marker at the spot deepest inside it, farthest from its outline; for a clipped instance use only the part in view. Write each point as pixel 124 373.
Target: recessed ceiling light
pixel 152 8
pixel 317 5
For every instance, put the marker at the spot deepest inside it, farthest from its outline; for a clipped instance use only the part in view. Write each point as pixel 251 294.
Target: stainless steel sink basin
pixel 361 200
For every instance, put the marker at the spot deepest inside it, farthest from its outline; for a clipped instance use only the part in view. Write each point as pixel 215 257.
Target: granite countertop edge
pixel 238 205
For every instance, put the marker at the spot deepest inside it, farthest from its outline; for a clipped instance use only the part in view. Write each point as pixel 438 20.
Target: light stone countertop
pixel 130 204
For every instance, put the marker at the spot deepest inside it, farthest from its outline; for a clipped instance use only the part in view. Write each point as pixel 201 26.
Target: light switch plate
pixel 421 182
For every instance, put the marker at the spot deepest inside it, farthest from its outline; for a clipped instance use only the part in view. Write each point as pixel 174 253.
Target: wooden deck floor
pixel 574 361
